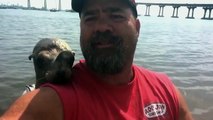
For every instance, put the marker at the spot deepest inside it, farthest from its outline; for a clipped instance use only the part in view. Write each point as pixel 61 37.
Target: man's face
pixel 109 35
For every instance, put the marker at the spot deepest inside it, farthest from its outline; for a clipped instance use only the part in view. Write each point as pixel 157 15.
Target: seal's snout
pixel 64 59
pixel 62 67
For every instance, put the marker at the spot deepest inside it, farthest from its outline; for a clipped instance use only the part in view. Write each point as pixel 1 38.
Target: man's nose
pixel 103 24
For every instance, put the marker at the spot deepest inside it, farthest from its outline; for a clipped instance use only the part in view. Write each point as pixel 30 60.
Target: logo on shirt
pixel 155 110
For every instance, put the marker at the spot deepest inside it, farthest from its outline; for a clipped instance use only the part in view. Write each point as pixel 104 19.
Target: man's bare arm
pixel 41 104
pixel 184 113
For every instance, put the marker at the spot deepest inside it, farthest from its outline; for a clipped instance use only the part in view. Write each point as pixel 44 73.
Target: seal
pixel 53 59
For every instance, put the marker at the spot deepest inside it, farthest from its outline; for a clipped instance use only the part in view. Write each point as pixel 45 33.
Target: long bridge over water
pixel 207 8
pixel 191 7
pixel 45 5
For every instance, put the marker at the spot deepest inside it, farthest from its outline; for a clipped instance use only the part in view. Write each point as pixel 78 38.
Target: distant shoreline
pixel 31 8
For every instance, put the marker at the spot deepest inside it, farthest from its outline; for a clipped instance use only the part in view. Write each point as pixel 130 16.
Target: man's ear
pixel 138 26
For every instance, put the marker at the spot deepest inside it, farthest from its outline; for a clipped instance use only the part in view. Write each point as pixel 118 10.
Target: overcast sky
pixel 67 3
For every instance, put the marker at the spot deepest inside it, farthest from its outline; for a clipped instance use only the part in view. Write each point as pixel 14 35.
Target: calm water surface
pixel 181 48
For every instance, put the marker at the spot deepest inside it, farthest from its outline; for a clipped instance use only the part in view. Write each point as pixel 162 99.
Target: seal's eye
pixel 43 62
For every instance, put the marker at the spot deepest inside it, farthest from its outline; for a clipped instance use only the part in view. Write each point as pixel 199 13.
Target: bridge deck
pixel 177 4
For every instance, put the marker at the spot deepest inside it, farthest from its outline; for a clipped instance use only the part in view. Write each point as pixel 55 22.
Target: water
pixel 181 48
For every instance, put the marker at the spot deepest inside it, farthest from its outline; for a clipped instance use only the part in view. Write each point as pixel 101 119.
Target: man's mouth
pixel 105 41
pixel 103 45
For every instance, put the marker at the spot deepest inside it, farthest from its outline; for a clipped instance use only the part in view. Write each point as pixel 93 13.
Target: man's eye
pixel 90 18
pixel 117 17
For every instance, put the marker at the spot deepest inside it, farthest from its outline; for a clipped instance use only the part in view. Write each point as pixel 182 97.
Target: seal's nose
pixel 65 59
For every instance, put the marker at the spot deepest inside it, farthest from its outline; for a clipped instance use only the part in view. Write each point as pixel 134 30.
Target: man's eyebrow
pixel 109 10
pixel 90 12
pixel 113 9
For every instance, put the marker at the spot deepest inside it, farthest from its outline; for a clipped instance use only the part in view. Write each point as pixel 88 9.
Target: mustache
pixel 105 37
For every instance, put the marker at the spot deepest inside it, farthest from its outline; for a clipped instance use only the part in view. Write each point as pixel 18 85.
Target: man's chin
pixel 105 51
pixel 105 64
pixel 104 46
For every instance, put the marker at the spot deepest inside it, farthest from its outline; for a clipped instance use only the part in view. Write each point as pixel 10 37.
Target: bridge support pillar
pixel 175 11
pixel 204 15
pixel 192 13
pixel 28 4
pixel 59 5
pixel 45 5
pixel 208 8
pixel 147 13
pixel 161 10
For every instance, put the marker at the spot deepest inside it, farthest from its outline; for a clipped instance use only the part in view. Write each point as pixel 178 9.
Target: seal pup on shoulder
pixel 53 59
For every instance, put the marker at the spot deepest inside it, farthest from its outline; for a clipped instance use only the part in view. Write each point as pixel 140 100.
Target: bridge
pixel 45 5
pixel 191 7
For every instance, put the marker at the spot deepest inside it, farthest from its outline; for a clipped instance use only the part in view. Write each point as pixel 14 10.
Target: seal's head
pixel 44 54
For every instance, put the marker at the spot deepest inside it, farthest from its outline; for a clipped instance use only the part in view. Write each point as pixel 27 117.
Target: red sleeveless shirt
pixel 149 96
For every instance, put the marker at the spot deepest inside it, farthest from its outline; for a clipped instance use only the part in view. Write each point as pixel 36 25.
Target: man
pixel 44 55
pixel 107 85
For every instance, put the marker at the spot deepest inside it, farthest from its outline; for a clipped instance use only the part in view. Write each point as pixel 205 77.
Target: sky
pixel 66 4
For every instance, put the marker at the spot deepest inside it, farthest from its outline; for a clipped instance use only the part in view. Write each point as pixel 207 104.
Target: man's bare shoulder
pixel 40 104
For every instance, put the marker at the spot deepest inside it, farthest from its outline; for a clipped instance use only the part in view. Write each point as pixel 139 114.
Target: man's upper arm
pixel 184 113
pixel 41 104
